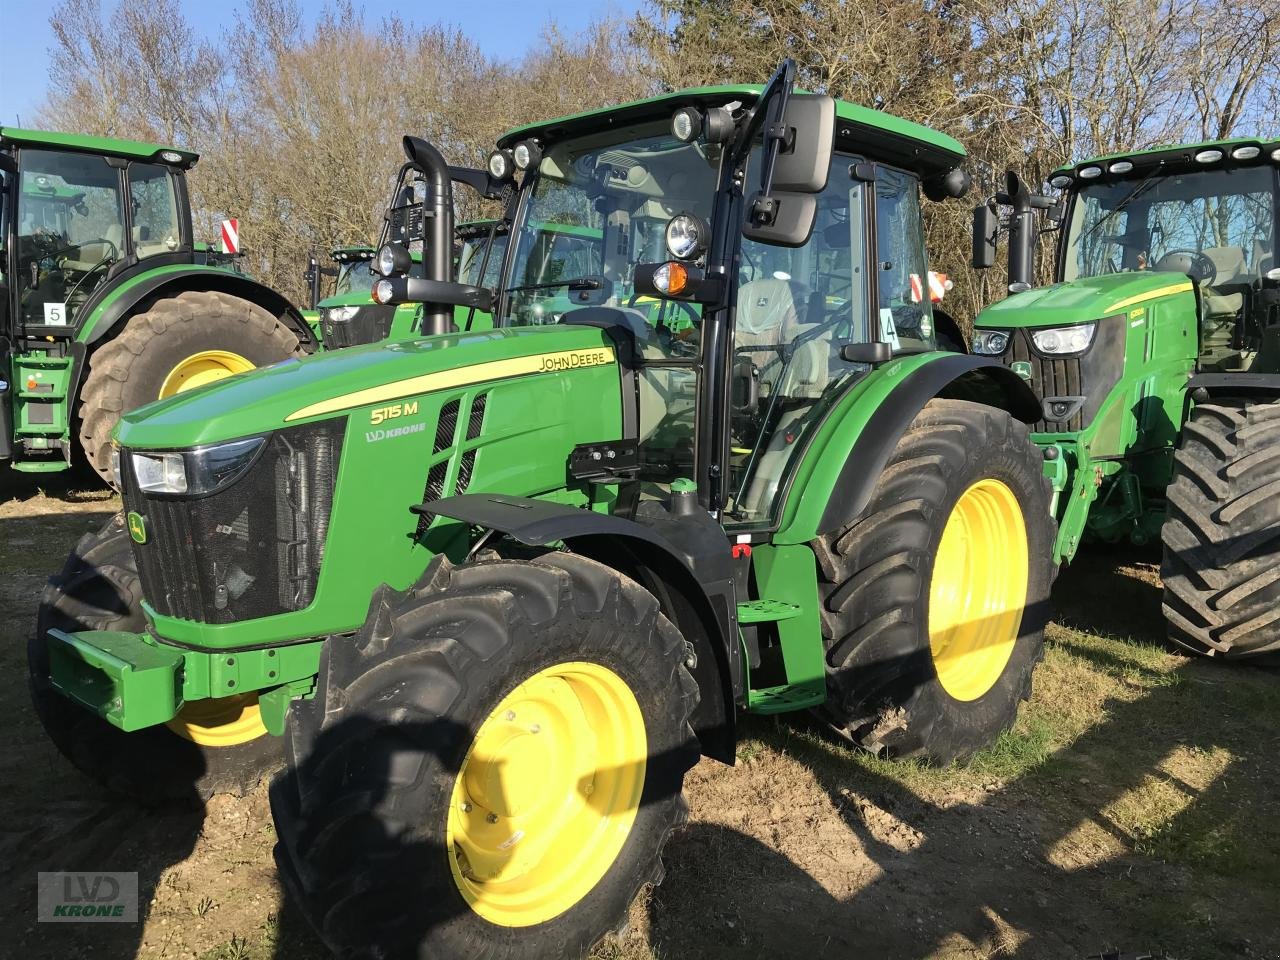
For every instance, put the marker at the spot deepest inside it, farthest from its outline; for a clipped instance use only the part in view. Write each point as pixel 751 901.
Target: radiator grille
pixel 252 549
pixel 1050 378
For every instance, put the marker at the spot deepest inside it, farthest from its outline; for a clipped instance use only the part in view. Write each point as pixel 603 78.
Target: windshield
pixel 354 277
pixel 471 258
pixel 624 185
pixel 1221 222
pixel 70 230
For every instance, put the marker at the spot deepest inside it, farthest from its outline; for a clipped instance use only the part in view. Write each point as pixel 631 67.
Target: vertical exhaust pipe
pixel 437 228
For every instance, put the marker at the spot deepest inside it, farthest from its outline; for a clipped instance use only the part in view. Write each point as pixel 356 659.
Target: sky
pixel 504 29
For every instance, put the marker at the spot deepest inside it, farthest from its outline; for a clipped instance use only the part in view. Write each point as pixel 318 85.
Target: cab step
pixel 766 611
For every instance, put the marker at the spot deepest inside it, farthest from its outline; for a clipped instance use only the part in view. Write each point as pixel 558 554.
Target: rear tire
pixel 1222 532
pixel 98 589
pixel 379 758
pixel 888 690
pixel 129 371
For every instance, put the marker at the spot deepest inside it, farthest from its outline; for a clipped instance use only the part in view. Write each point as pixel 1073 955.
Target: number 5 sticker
pixel 55 314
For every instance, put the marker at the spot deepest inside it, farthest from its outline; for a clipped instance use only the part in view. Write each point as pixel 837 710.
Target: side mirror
pixel 8 164
pixel 783 211
pixel 986 227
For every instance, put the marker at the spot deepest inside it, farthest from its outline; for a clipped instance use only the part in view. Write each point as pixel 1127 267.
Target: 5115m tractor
pixel 498 589
pixel 1156 354
pixel 106 301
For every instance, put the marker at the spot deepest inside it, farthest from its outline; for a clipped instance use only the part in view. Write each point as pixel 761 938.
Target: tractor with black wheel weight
pixel 106 300
pixel 1156 356
pixel 497 590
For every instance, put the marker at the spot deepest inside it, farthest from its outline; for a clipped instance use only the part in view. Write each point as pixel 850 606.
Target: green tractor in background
pixel 350 274
pixel 498 589
pixel 106 300
pixel 1156 355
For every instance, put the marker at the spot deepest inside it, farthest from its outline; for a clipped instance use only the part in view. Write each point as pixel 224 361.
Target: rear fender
pixel 856 440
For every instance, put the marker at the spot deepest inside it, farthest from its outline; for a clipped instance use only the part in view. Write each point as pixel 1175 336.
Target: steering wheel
pixel 110 257
pixel 1193 263
pixel 675 344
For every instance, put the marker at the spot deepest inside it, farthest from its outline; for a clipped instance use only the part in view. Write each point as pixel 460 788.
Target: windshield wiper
pixel 577 283
pixel 1129 198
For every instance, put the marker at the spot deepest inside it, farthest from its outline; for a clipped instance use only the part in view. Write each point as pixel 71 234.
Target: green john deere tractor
pixel 350 272
pixel 1156 355
pixel 106 301
pixel 498 589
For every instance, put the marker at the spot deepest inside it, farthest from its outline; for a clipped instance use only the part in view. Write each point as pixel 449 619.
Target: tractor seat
pixel 1231 268
pixel 767 316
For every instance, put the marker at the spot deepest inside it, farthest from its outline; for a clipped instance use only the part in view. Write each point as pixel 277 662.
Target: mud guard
pixel 684 561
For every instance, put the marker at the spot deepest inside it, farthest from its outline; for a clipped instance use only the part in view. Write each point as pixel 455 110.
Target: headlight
pixel 160 472
pixel 1059 340
pixel 686 236
pixel 686 124
pixel 393 260
pixel 340 314
pixel 527 154
pixel 198 471
pixel 671 278
pixel 990 343
pixel 502 165
pixel 383 291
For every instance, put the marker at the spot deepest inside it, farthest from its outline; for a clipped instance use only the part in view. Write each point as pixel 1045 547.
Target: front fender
pixel 856 439
pixel 683 561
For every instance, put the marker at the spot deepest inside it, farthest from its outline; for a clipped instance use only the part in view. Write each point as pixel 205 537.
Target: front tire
pixel 179 342
pixel 935 598
pixel 1221 588
pixel 491 767
pixel 213 746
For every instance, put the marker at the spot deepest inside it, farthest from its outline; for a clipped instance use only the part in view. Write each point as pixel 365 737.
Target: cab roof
pixel 110 146
pixel 910 145
pixel 1176 158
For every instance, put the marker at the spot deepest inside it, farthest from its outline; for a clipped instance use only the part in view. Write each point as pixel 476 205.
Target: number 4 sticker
pixel 55 314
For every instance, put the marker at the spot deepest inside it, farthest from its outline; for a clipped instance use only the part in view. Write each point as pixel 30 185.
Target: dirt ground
pixel 1133 811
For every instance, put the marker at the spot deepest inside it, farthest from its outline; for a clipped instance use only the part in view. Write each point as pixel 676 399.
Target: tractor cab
pixel 1205 211
pixel 80 219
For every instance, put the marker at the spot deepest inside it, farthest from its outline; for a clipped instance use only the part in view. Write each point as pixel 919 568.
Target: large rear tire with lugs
pixel 178 343
pixel 491 767
pixel 213 746
pixel 935 596
pixel 1221 568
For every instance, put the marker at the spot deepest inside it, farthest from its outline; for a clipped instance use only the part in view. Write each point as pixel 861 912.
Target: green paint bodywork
pixel 108 146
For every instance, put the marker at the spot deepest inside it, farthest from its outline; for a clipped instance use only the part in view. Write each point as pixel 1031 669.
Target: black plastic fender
pixel 1262 385
pixel 957 377
pixel 684 561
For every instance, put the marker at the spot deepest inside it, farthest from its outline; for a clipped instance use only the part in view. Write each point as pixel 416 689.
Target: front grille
pixel 1059 377
pixel 252 549
pixel 370 324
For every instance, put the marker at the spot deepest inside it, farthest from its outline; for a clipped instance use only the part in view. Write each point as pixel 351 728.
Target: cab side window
pixel 906 315
pixel 156 227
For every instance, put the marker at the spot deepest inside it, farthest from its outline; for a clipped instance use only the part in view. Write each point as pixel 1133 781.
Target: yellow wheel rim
pixel 221 722
pixel 978 590
pixel 198 369
pixel 547 794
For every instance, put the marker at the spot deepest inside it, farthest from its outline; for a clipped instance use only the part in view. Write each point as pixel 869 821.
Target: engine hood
pixel 1080 301
pixel 334 384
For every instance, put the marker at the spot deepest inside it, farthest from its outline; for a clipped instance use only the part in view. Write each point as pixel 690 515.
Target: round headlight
pixel 1208 156
pixel 383 291
pixel 1090 173
pixel 1121 166
pixel 990 343
pixel 527 154
pixel 686 236
pixel 686 124
pixel 1246 153
pixel 502 166
pixel 170 156
pixel 1275 154
pixel 392 260
pixel 1060 182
